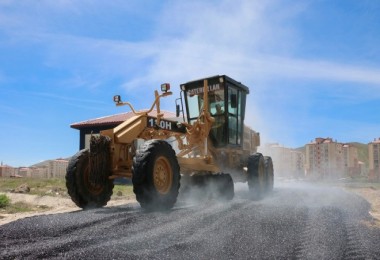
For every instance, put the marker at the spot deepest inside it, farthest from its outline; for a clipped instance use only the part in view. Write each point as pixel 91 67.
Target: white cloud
pixel 285 67
pixel 252 41
pixel 195 39
pixel 240 38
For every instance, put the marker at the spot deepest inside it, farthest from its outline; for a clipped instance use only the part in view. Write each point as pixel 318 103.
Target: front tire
pixel 156 175
pixel 82 191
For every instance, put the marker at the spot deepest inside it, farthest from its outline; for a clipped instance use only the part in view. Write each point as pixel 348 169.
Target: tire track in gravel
pixel 140 228
pixel 331 233
pixel 292 223
pixel 354 247
pixel 322 236
pixel 160 232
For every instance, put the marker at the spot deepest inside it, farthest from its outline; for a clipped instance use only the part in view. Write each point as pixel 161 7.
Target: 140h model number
pixel 163 124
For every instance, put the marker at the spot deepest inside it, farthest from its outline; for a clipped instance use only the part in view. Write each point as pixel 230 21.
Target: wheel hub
pixel 162 175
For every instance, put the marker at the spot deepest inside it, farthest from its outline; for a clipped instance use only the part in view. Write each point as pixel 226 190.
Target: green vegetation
pixel 38 186
pixel 126 191
pixel 4 201
pixel 42 187
pixel 10 208
pixel 54 187
pixel 19 207
pixel 360 185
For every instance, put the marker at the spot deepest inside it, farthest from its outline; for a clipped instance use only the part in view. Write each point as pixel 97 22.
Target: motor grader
pixel 207 142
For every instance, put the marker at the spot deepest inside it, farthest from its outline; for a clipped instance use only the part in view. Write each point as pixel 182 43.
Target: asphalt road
pixel 297 221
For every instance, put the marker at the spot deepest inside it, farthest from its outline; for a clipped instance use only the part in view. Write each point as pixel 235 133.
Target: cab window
pixel 217 110
pixel 234 115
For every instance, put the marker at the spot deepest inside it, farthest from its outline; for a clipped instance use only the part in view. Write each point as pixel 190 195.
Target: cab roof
pixel 217 78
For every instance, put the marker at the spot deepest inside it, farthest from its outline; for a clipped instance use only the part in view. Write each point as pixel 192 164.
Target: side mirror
pixel 233 100
pixel 117 99
pixel 177 110
pixel 179 107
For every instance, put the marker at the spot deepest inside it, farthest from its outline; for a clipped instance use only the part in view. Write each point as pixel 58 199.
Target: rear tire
pixel 156 176
pixel 225 186
pixel 269 174
pixel 82 192
pixel 210 186
pixel 256 175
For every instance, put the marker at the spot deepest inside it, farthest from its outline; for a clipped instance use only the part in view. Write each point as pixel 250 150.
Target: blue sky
pixel 313 67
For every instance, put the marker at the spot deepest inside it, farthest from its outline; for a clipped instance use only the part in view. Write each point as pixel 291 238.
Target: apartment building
pixel 46 169
pixel 374 159
pixel 324 159
pixel 352 166
pixel 38 172
pixel 49 169
pixel 297 163
pixel 287 162
pixel 329 159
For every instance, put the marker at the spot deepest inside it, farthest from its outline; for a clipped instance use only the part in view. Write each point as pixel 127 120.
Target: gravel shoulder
pixel 46 205
pixel 373 197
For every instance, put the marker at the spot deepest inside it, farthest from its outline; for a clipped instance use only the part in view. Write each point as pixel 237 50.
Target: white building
pixel 6 170
pixel 287 162
pixel 50 169
pixel 374 160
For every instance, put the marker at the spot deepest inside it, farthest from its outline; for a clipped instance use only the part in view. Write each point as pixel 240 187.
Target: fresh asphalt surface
pixel 297 221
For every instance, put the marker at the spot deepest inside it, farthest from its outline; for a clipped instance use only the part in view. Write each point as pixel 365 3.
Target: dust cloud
pixel 287 192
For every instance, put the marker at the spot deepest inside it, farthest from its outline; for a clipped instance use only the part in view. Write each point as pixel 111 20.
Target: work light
pixel 165 87
pixel 117 99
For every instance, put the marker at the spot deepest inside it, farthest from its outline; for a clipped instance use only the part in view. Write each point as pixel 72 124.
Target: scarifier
pixel 207 142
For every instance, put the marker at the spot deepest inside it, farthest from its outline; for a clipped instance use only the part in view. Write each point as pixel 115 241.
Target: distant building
pixel 38 172
pixel 363 169
pixel 297 162
pixel 94 126
pixel 351 164
pixel 49 169
pixel 23 172
pixel 328 159
pixel 6 170
pixel 374 159
pixel 57 168
pixel 287 162
pixel 324 159
pixel 46 169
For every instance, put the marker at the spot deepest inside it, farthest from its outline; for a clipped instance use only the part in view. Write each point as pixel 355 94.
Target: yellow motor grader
pixel 206 142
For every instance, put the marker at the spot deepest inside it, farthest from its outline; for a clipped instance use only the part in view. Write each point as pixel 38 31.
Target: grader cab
pixel 207 142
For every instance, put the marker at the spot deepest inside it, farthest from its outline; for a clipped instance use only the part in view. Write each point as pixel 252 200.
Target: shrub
pixel 4 200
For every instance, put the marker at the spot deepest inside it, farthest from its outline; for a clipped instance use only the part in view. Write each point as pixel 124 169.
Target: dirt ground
pixel 53 205
pixel 373 197
pixel 47 205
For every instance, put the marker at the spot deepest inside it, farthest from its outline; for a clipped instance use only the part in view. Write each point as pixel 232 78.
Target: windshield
pixel 195 102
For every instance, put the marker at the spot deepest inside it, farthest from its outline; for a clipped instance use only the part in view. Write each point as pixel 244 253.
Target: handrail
pixel 146 112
